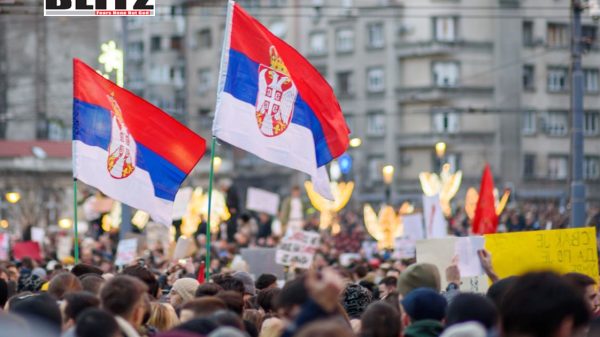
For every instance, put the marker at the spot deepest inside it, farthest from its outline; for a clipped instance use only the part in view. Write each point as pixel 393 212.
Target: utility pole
pixel 126 211
pixel 578 215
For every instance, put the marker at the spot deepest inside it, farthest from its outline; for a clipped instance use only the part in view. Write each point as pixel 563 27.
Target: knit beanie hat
pixel 424 303
pixel 247 281
pixel 186 288
pixel 419 275
pixel 355 300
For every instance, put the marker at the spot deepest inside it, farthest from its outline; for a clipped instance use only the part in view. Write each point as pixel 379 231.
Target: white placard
pixel 298 249
pixel 413 226
pixel 347 258
pixel 405 248
pixel 126 252
pixel 38 234
pixel 435 223
pixel 262 201
pixel 64 246
pixel 4 246
pixel 182 198
pixel 466 249
pixel 183 248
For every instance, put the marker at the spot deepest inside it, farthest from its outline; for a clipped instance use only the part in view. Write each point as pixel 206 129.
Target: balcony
pixel 438 93
pixel 429 139
pixel 438 48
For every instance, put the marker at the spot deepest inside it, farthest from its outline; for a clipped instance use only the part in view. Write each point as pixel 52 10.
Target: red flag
pixel 201 276
pixel 485 220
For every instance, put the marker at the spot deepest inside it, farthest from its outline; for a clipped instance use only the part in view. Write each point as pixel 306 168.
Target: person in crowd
pixel 543 304
pixel 419 275
pixel 248 282
pixel 201 307
pixel 162 316
pixel 468 307
pixel 145 276
pixel 97 323
pixel 182 291
pixel 92 283
pixel 380 320
pixel 355 299
pixel 265 230
pixel 123 296
pixel 39 310
pixel 228 282
pixel 266 300
pixel 265 281
pixel 63 284
pixel 74 304
pixel 202 326
pixel 233 300
pixel 423 312
pixel 81 269
pixel 387 285
pixel 207 289
pixel 587 287
pixel 292 211
pixel 3 293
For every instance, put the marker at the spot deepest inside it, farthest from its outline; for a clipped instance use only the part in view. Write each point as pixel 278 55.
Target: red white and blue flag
pixel 273 103
pixel 126 147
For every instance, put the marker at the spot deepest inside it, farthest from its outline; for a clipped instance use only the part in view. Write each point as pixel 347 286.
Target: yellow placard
pixel 561 250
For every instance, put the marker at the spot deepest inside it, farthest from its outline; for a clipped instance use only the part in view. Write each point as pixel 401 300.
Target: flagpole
pixel 75 228
pixel 210 188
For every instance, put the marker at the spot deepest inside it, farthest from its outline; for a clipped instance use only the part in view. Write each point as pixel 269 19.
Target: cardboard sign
pixel 185 247
pixel 262 201
pixel 298 249
pixel 435 223
pixel 440 253
pixel 4 246
pixel 465 250
pixel 405 248
pixel 413 226
pixel 126 252
pixel 561 250
pixel 27 249
pixel 37 235
pixel 260 261
pixel 64 246
pixel 182 198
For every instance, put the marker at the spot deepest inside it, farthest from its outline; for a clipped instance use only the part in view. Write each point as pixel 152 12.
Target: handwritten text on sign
pixel 563 251
pixel 298 249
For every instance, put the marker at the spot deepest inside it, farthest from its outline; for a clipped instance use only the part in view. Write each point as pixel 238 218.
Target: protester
pixel 74 305
pixel 63 284
pixel 182 291
pixel 123 296
pixel 423 312
pixel 97 323
pixel 387 285
pixel 201 308
pixel 162 316
pixel 587 288
pixel 380 320
pixel 266 281
pixel 472 308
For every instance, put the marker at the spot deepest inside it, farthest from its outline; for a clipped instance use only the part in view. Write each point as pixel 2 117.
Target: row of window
pixel 558 167
pixel 556 123
pixel 558 35
pixel 156 43
pixel 558 79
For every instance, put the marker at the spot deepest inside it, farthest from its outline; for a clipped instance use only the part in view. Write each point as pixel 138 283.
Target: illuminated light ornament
pixel 446 184
pixel 140 219
pixel 345 162
pixel 472 198
pixel 197 210
pixel 65 223
pixel 385 227
pixel 406 208
pixel 112 59
pixel 112 220
pixel 341 192
pixel 12 197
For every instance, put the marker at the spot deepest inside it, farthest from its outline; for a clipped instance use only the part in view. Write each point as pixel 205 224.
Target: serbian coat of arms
pixel 276 97
pixel 122 148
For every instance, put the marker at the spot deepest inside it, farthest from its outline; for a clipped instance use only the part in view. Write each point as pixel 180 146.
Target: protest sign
pixel 347 258
pixel 369 248
pixel 182 198
pixel 64 245
pixel 37 235
pixel 4 246
pixel 405 248
pixel 466 249
pixel 262 201
pixel 184 248
pixel 413 226
pixel 126 252
pixel 27 249
pixel 260 261
pixel 440 252
pixel 561 250
pixel 435 223
pixel 298 249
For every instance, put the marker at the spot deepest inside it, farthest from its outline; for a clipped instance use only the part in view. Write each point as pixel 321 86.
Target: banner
pixel 298 249
pixel 466 249
pixel 435 223
pixel 262 201
pixel 126 252
pixel 27 249
pixel 561 250
pixel 38 234
pixel 260 261
pixel 4 246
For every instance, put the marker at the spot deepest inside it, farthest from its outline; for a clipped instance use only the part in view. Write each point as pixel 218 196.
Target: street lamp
pixel 388 176
pixel 12 197
pixel 217 163
pixel 65 223
pixel 440 149
pixel 355 142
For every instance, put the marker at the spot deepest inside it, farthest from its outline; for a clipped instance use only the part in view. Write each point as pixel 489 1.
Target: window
pixel 135 50
pixel 528 122
pixel 591 167
pixel 590 80
pixel 177 75
pixel 558 167
pixel 445 121
pixel 155 42
pixel 344 83
pixel 452 159
pixel 375 166
pixel 528 77
pixel 375 35
pixel 176 42
pixel 557 79
pixel 528 33
pixel 277 3
pixel 558 35
pixel 344 40
pixel 445 74
pixel 591 123
pixel 375 80
pixel 444 29
pixel 529 166
pixel 557 123
pixel 318 43
pixel 589 36
pixel 204 38
pixel 204 81
pixel 376 124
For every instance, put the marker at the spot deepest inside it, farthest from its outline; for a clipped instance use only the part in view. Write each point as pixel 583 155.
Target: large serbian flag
pixel 128 148
pixel 273 103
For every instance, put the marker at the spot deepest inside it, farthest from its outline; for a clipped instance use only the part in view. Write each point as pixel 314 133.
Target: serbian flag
pixel 273 103
pixel 485 220
pixel 126 147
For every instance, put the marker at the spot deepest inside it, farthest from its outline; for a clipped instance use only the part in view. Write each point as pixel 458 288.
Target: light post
pixel 388 177
pixel 13 197
pixel 440 151
pixel 355 142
